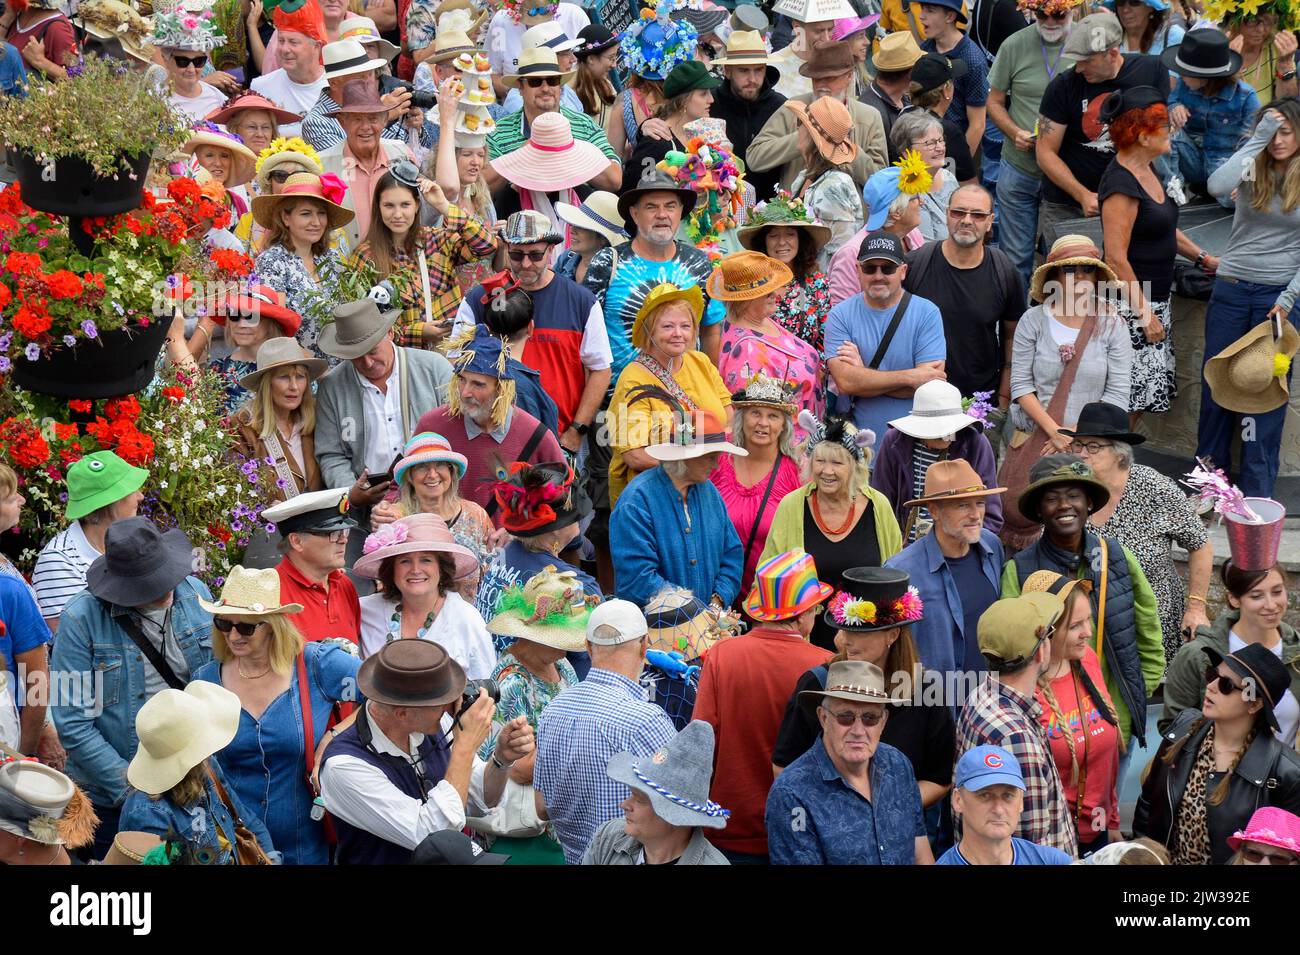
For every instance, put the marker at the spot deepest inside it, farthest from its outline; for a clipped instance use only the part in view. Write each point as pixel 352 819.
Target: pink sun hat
pixel 1271 826
pixel 416 534
pixel 552 159
pixel 847 26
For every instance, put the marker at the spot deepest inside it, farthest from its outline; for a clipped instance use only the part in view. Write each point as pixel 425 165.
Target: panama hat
pixel 896 52
pixel 552 159
pixel 417 534
pixel 114 20
pixel 550 608
pixel 1069 250
pixel 538 61
pixel 451 44
pixel 98 480
pixel 785 586
pixel 745 48
pixel 675 778
pixel 280 352
pixel 952 480
pixel 247 101
pixel 357 327
pixel 742 276
pixel 936 412
pixel 549 34
pixel 830 125
pixel 1250 375
pixel 250 593
pixel 660 295
pixel 245 160
pixel 347 58
pixel 597 213
pixel 428 447
pixel 327 189
pixel 179 729
pixel 363 30
pixel 1053 470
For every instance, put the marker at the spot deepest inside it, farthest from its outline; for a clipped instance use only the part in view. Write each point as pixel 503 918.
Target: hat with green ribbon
pixel 551 609
pixel 98 480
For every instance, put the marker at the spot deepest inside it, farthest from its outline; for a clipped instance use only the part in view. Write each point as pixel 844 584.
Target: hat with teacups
pixel 114 20
pixel 428 447
pixel 597 213
pixel 328 189
pixel 1054 470
pixel 417 534
pixel 130 848
pixel 829 58
pixel 312 511
pixel 411 673
pixel 933 70
pixel 536 499
pixel 704 432
pixel 785 586
pixel 1250 375
pixel 179 729
pixel 359 96
pixel 1011 629
pixel 661 295
pixel 1069 250
pixel 689 76
pixel 616 622
pixel 39 803
pixel 364 31
pixel 882 246
pixel 653 180
pixel 1095 33
pixel 655 43
pixel 678 622
pixel 675 778
pixel 745 48
pixel 549 35
pixel 983 766
pixel 551 159
pixel 537 62
pixel 451 45
pixel 846 27
pixel 953 480
pixel 1099 419
pixel 896 52
pixel 243 159
pixel 453 847
pixel 551 608
pixel 592 39
pixel 854 680
pixel 140 563
pixel 1265 677
pixel 874 598
pixel 936 412
pixel 742 276
pixel 1125 101
pixel 249 593
pixel 762 391
pixel 1202 54
pixel 259 301
pixel 1271 826
pixel 830 125
pixel 251 101
pixel 99 479
pixel 348 58
pixel 281 352
pixel 784 211
pixel 357 328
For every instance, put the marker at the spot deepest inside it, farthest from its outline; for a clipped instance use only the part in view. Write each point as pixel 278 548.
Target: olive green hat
pixel 99 479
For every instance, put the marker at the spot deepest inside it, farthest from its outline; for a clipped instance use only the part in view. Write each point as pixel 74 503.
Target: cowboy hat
pixel 282 352
pixel 896 52
pixel 250 593
pixel 140 564
pixel 428 447
pixel 417 534
pixel 675 778
pixel 247 101
pixel 1069 250
pixel 874 598
pixel 364 31
pixel 538 61
pixel 785 212
pixel 854 680
pixel 742 276
pixel 936 413
pixel 830 125
pixel 347 58
pixel 551 160
pixel 550 609
pixel 357 328
pixel 259 301
pixel 597 213
pixel 785 586
pixel 745 48
pixel 653 180
pixel 952 481
pixel 661 295
pixel 1250 375
pixel 327 189
pixel 1054 470
pixel 706 433
pixel 243 158
pixel 178 730
pixel 1101 420
pixel 411 673
pixel 99 479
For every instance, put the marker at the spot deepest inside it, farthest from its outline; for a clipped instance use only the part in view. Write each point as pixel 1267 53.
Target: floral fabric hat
pixel 196 32
pixel 656 43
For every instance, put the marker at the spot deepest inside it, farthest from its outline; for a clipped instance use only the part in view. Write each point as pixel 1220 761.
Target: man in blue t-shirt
pixel 943 20
pixel 23 656
pixel 989 794
pixel 916 352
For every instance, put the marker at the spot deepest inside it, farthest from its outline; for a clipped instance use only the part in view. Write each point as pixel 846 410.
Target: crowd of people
pixel 731 461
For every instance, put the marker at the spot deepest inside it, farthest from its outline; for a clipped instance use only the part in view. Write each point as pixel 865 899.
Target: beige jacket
pixel 777 143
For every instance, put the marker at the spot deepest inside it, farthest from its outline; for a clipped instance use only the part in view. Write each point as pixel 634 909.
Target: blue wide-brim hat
pixel 650 48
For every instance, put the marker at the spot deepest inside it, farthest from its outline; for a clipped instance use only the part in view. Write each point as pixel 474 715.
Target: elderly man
pixel 551 36
pixel 1015 639
pixel 568 342
pixel 747 100
pixel 851 799
pixel 791 60
pixel 300 79
pixel 831 69
pixel 587 724
pixel 988 798
pixel 391 779
pixel 480 419
pixel 346 61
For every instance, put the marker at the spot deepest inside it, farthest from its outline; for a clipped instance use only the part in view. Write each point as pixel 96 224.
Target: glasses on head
pixel 1255 857
pixel 1079 269
pixel 537 82
pixel 1092 447
pixel 1045 16
pixel 198 62
pixel 928 143
pixel 1220 682
pixel 866 268
pixel 868 718
pixel 335 537
pixel 519 255
pixel 971 214
pixel 245 629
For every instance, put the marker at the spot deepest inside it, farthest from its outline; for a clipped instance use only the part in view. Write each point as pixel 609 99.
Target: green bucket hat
pixel 98 480
pixel 1054 470
pixel 688 76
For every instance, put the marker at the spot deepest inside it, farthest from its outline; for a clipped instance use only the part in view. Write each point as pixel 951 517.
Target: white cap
pixel 315 510
pixel 615 622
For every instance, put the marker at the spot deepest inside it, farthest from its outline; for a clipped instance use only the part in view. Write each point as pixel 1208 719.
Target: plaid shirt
pixel 997 715
pixel 577 733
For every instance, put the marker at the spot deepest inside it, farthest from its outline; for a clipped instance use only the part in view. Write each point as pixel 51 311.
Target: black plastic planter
pixel 72 188
pixel 119 362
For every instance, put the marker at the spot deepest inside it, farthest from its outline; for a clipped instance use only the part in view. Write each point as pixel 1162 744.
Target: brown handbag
pixel 247 849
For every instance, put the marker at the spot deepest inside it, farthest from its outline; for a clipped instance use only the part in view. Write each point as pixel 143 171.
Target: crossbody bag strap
pixel 1101 596
pixel 151 653
pixel 424 282
pixel 758 518
pixel 308 725
pixel 281 463
pixel 534 440
pixel 892 329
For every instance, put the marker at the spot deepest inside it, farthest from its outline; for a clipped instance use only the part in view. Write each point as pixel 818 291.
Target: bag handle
pixel 1101 595
pixel 156 659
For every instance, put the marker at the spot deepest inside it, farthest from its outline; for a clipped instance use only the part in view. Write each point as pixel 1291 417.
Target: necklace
pixel 251 676
pixel 831 531
pixel 395 624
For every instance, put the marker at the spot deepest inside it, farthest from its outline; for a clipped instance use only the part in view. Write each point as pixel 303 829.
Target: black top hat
pixel 1263 675
pixel 1203 54
pixel 1135 97
pixel 934 69
pixel 884 588
pixel 1101 420
pixel 140 564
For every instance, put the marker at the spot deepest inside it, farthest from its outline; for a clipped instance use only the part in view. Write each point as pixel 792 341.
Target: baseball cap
pixel 984 766
pixel 879 193
pixel 934 69
pixel 882 245
pixel 615 622
pixel 1008 630
pixel 449 847
pixel 1095 33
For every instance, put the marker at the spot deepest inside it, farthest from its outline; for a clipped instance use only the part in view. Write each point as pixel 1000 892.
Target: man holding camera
pixel 347 61
pixel 392 778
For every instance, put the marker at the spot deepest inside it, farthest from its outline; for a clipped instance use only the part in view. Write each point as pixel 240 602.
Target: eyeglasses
pixel 928 143
pixel 198 62
pixel 335 537
pixel 1044 15
pixel 1224 684
pixel 280 175
pixel 1092 447
pixel 1079 269
pixel 536 82
pixel 519 255
pixel 869 718
pixel 245 629
pixel 867 269
pixel 960 214
pixel 1255 857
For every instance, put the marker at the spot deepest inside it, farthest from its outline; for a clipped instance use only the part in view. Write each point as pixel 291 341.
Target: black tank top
pixel 859 549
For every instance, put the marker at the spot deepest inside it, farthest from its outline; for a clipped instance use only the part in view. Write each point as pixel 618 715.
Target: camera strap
pixel 367 738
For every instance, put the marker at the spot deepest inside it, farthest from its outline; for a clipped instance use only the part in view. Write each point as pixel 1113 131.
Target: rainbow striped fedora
pixel 785 586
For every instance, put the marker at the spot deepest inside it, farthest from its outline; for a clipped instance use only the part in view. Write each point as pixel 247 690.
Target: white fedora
pixel 348 57
pixel 597 213
pixel 936 412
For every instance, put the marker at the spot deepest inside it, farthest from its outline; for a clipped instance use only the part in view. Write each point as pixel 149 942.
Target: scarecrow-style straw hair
pixel 505 399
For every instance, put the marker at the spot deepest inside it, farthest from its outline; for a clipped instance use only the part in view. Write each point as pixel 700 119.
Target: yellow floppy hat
pixel 661 295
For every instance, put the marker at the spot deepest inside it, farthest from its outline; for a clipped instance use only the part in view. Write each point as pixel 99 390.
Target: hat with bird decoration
pixel 538 498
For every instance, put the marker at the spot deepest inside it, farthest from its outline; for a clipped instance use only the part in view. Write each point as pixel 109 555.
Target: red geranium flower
pixel 174 395
pixel 32 322
pixel 6 296
pixel 119 409
pixel 63 284
pixel 80 405
pixel 23 263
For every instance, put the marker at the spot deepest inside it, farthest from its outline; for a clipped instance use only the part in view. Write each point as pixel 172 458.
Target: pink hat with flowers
pixel 419 533
pixel 1271 826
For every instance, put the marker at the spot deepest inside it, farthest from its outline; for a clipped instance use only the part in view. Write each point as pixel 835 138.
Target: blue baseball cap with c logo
pixel 985 766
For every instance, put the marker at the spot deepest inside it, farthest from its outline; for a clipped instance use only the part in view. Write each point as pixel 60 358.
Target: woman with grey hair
pixel 1149 514
pixel 922 132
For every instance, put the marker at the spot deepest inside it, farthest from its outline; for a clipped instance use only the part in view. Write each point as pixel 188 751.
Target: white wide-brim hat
pixel 936 413
pixel 178 729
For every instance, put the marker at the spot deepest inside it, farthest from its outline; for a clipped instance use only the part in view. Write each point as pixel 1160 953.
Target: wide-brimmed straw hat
pixel 348 58
pixel 357 328
pixel 854 680
pixel 327 189
pixel 703 433
pixel 417 534
pixel 363 30
pixel 114 20
pixel 874 598
pixel 552 159
pixel 551 608
pixel 178 729
pixel 785 586
pixel 245 160
pixel 1050 582
pixel 763 391
pixel 742 276
pixel 786 212
pixel 597 213
pixel 952 481
pixel 280 352
pixel 140 563
pixel 254 101
pixel 896 52
pixel 745 48
pixel 830 125
pixel 428 447
pixel 1069 250
pixel 1250 375
pixel 538 61
pixel 411 673
pixel 936 413
pixel 675 778
pixel 39 803
pixel 250 593
pixel 661 295
pixel 1054 470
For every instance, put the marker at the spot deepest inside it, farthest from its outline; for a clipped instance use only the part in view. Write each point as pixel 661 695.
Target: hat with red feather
pixel 538 498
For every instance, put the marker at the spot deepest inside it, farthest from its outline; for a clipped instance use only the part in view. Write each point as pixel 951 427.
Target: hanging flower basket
pixel 70 186
pixel 118 362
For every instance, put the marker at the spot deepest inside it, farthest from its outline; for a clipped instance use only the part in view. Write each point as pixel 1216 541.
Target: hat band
pixel 676 617
pixel 745 55
pixel 455 49
pixel 347 64
pixel 362 35
pixel 1200 70
pixel 938 413
pixel 854 688
pixel 1074 252
pixel 538 68
pixel 709 808
pixel 556 41
pixel 812 121
pixel 552 149
pixel 957 490
pixel 600 220
pixel 303 189
pixel 1272 705
pixel 746 286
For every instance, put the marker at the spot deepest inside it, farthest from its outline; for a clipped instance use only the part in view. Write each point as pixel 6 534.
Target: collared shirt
pixel 814 817
pixel 385 436
pixel 472 430
pixel 998 715
pixel 60 572
pixel 361 181
pixel 329 610
pixel 1218 123
pixel 577 733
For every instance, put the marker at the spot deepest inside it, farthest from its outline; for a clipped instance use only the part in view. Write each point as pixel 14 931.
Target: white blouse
pixel 458 629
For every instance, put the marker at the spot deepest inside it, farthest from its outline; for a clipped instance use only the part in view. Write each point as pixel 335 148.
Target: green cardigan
pixel 786 533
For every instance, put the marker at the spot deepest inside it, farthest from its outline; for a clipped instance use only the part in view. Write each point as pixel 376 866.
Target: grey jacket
pixel 341 411
pixel 611 845
pixel 777 143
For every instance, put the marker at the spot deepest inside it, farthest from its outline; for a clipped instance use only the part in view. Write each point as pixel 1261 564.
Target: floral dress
pixel 230 370
pixel 281 268
pixel 834 200
pixel 802 307
pixel 746 352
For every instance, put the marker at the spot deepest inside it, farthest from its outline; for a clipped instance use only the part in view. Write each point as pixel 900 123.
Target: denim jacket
pixel 103 680
pixel 1216 124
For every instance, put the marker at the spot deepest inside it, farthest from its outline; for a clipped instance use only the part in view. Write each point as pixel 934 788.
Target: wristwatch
pixel 582 429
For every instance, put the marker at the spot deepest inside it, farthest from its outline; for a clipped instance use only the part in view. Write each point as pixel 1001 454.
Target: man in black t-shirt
pixel 1074 145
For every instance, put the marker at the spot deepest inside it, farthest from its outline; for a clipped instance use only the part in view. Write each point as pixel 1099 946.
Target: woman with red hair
pixel 1140 226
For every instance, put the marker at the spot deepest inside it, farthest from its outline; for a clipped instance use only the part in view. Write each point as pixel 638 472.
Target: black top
pixel 1152 244
pixel 954 142
pixel 859 549
pixel 992 22
pixel 888 113
pixel 924 734
pixel 1074 103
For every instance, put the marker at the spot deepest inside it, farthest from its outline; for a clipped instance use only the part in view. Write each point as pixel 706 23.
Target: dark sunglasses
pixel 518 255
pixel 866 269
pixel 280 175
pixel 537 82
pixel 195 61
pixel 1255 857
pixel 225 626
pixel 960 214
pixel 1042 15
pixel 1079 269
pixel 869 718
pixel 1222 683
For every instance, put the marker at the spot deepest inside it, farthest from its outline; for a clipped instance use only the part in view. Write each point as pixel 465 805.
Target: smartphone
pixel 387 476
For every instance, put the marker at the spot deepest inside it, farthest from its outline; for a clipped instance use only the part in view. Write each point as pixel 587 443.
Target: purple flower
pixel 69 340
pixel 88 326
pixel 236 526
pixel 270 528
pixel 32 351
pixel 5 339
pixel 4 366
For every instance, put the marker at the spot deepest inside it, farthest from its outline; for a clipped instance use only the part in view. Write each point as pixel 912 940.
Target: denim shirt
pixel 1217 124
pixel 815 818
pixel 102 689
pixel 206 826
pixel 266 761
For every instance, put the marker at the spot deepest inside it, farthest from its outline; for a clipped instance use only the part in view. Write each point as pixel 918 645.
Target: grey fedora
pixel 140 563
pixel 855 680
pixel 653 181
pixel 357 327
pixel 676 778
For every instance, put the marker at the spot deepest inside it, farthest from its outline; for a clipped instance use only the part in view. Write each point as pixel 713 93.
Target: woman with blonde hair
pixel 275 164
pixel 11 509
pixel 286 691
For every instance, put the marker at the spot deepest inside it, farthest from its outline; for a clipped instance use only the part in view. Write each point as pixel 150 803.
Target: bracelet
pixel 1196 597
pixel 200 328
pixel 496 761
pixel 1284 77
pixel 1201 258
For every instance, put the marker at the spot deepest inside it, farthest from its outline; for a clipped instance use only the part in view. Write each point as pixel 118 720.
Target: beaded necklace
pixel 395 624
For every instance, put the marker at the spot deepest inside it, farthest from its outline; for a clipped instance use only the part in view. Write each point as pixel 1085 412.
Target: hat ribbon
pixel 601 220
pixel 553 149
pixel 744 54
pixel 746 286
pixel 812 121
pixel 937 413
pixel 348 64
pixel 710 808
pixel 958 490
pixel 361 34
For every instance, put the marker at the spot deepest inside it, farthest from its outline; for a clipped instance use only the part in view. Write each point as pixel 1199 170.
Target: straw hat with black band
pixel 283 352
pixel 745 48
pixel 348 58
pixel 537 62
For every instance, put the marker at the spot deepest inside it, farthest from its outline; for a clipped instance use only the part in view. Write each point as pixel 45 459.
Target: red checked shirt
pixel 332 610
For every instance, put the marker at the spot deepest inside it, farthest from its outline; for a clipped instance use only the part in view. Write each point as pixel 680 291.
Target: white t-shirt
pixel 198 107
pixel 285 93
pixel 1287 710
pixel 458 629
pixel 505 37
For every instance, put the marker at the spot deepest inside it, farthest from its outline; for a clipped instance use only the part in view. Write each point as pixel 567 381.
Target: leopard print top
pixel 1191 835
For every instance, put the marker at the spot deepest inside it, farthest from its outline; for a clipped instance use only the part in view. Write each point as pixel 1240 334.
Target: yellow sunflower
pixel 913 178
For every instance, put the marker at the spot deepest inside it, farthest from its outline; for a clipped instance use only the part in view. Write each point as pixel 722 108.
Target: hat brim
pixel 835 153
pixel 245 162
pixel 1169 57
pixel 748 235
pixel 601 47
pixel 783 406
pixel 131 481
pixel 244 613
pixel 753 609
pixel 266 207
pixel 782 276
pixel 630 198
pixel 678 452
pixel 430 457
pixel 315 368
pixel 222 117
pixel 811 699
pixel 578 217
pixel 621 768
pixel 930 429
pixel 704 21
pixel 568 639
pixel 985 780
pixel 155 775
pixel 1128 437
pixel 328 342
pixel 371 691
pixel 1098 494
pixel 692 295
pixel 1243 671
pixel 512 80
pixel 1040 274
pixel 531 168
pixel 366 67
pixel 940 498
pixel 368 565
pixel 144 588
pixel 288 320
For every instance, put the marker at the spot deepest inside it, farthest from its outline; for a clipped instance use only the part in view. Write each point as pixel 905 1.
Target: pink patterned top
pixel 782 356
pixel 742 505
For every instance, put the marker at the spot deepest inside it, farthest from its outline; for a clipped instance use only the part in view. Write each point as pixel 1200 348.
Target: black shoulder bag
pixel 151 653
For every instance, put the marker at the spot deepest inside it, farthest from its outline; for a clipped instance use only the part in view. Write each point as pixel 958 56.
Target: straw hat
pixel 1272 826
pixel 597 213
pixel 851 26
pixel 285 151
pixel 785 587
pixel 552 159
pixel 678 622
pixel 745 48
pixel 464 15
pixel 327 189
pixel 1250 375
pixel 250 593
pixel 784 211
pixel 347 58
pixel 428 447
pixel 114 20
pixel 247 101
pixel 549 34
pixel 417 534
pixel 538 61
pixel 130 848
pixel 660 295
pixel 743 276
pixel 703 433
pixel 896 52
pixel 1050 582
pixel 831 127
pixel 280 352
pixel 244 159
pixel 1069 250
pixel 363 30
pixel 178 729
pixel 450 44
pixel 550 609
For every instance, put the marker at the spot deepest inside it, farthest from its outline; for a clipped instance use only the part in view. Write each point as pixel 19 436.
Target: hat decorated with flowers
pixel 285 151
pixel 538 498
pixel 182 29
pixel 709 168
pixel 874 598
pixel 787 211
pixel 656 43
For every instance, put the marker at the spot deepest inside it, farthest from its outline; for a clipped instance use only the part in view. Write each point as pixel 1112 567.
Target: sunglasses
pixel 280 175
pixel 1079 269
pixel 971 214
pixel 869 718
pixel 225 626
pixel 1255 857
pixel 866 269
pixel 1222 683
pixel 537 82
pixel 518 255
pixel 244 319
pixel 1040 14
pixel 196 61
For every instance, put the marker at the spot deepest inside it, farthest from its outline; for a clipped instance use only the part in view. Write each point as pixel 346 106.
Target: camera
pixel 419 100
pixel 470 693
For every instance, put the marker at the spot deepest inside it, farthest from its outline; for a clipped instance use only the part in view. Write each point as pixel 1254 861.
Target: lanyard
pixel 1052 67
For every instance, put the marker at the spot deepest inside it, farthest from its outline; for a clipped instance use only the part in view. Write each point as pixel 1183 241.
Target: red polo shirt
pixel 329 611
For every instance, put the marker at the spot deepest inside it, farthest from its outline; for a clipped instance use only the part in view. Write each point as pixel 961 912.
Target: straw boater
pixel 783 212
pixel 327 189
pixel 1065 251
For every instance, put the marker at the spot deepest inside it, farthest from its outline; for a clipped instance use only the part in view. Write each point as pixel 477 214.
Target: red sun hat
pixel 264 302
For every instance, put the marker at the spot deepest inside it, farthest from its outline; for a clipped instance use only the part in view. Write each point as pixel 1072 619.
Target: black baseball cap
pixel 449 847
pixel 882 245
pixel 934 69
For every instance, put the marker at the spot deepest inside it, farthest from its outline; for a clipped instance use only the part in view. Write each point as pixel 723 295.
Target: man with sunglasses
pixel 851 799
pixel 1015 639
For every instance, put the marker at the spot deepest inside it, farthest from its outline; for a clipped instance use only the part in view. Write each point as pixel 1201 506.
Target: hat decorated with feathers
pixel 537 498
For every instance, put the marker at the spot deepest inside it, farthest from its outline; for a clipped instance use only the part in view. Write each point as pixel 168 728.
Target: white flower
pixel 162 485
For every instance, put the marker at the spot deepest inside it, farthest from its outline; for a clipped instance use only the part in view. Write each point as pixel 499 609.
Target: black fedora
pixel 1203 54
pixel 140 563
pixel 1262 673
pixel 1101 420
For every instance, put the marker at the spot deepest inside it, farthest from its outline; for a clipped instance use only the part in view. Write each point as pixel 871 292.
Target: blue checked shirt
pixel 577 733
pixel 1218 124
pixel 323 131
